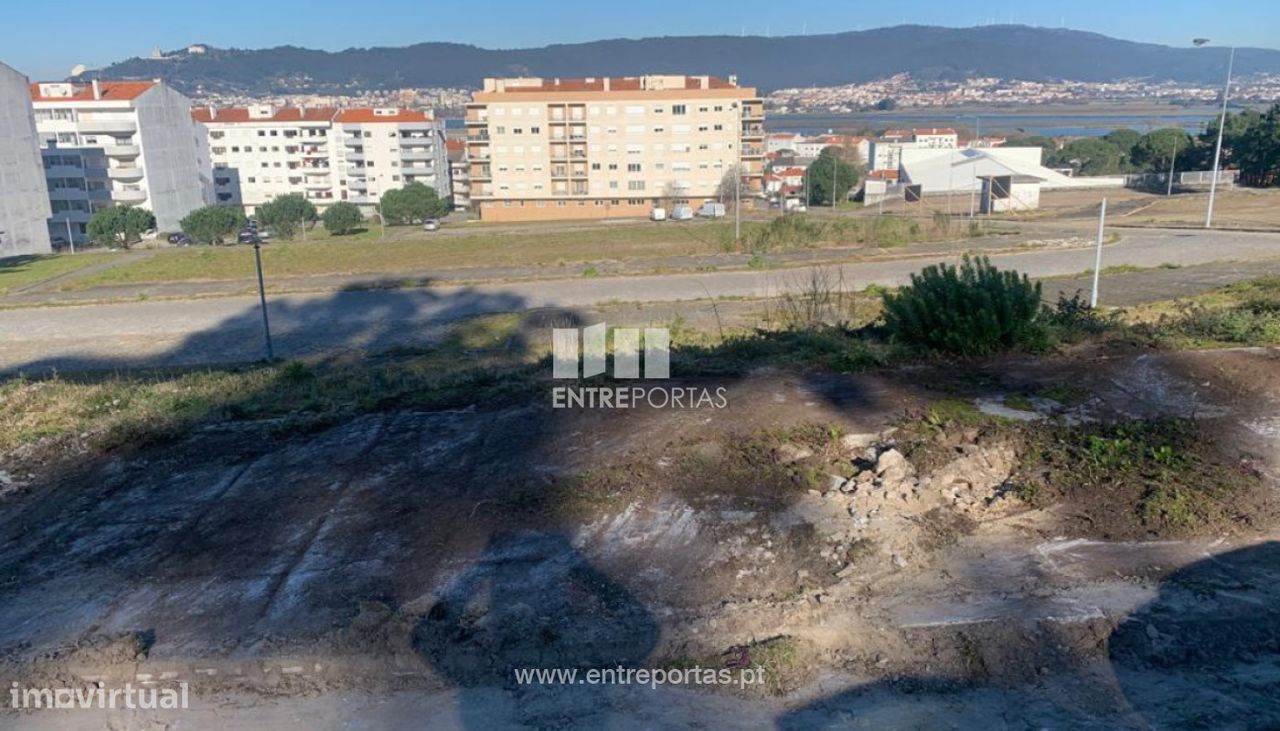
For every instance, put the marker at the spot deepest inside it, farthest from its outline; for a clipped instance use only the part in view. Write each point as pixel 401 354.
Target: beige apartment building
pixel 610 147
pixel 262 152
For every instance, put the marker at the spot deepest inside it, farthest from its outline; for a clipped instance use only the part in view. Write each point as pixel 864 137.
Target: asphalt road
pixel 230 328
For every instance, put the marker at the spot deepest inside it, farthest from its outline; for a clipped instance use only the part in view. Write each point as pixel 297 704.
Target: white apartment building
pixel 118 143
pixel 24 198
pixel 385 149
pixel 262 152
pixel 609 147
pixel 886 152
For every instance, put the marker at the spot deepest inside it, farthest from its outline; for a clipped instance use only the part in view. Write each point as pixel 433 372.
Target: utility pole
pixel 973 194
pixel 1217 150
pixel 1172 160
pixel 737 203
pixel 1097 257
pixel 71 239
pixel 833 180
pixel 262 297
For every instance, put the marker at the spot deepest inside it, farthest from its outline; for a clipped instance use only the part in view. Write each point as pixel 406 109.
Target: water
pixel 1048 124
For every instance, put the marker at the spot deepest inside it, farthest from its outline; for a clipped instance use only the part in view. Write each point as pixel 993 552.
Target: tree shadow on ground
pixel 228 537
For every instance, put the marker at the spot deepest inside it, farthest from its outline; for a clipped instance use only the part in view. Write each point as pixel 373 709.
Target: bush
pixel 286 214
pixel 975 309
pixel 212 224
pixel 342 218
pixel 122 225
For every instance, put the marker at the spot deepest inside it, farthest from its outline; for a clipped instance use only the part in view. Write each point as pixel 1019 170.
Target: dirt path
pixel 401 564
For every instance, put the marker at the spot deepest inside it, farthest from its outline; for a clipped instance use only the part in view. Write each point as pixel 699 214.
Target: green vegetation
pixel 20 271
pixel 975 309
pixel 213 224
pixel 287 215
pixel 414 203
pixel 342 218
pixel 121 225
pixel 831 171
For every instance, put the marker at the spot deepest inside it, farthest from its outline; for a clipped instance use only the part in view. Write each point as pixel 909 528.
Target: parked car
pixel 658 214
pixel 179 238
pixel 711 210
pixel 681 213
pixel 248 237
pixel 431 224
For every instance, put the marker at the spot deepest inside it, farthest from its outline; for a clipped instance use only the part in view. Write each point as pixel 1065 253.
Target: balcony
pixel 753 130
pixel 312 152
pixel 122 195
pixel 316 184
pixel 353 141
pixel 107 126
pixel 481 172
pixel 354 156
pixel 752 151
pixel 122 150
pixel 418 141
pixel 417 155
pixel 68 194
pixel 124 172
pixel 357 183
pixel 316 170
pixel 64 171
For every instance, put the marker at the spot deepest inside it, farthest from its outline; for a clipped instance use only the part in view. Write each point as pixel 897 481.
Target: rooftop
pixel 235 115
pixel 528 84
pixel 62 91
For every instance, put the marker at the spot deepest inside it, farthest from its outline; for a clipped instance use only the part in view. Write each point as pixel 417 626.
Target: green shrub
pixel 974 309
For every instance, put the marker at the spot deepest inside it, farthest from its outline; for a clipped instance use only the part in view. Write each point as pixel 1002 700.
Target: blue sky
pixel 46 44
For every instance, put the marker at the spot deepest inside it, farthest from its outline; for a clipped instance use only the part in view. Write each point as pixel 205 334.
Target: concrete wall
pixel 24 198
pixel 170 155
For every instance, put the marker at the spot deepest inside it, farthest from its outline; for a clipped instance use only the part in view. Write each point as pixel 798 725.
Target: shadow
pixel 532 601
pixel 1205 652
pixel 448 537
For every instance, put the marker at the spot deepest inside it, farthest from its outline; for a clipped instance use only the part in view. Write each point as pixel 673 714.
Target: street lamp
pixel 1222 124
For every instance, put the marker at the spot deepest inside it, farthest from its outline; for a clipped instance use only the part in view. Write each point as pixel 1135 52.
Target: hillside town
pixel 903 90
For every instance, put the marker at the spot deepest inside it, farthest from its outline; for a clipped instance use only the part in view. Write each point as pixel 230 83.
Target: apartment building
pixel 609 147
pixel 385 149
pixel 886 153
pixel 459 173
pixel 118 143
pixel 262 152
pixel 24 197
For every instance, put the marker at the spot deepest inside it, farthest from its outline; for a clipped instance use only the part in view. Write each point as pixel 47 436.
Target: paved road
pixel 229 329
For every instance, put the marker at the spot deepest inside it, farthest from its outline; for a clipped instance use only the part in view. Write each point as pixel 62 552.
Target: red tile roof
pixel 108 91
pixel 616 83
pixel 233 115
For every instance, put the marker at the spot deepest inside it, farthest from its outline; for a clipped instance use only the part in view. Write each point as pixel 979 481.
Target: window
pixel 517 130
pixel 500 130
pixel 679 109
pixel 635 185
pixel 633 167
pixel 535 130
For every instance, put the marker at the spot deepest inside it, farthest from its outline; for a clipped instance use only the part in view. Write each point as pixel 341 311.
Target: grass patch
pixel 21 271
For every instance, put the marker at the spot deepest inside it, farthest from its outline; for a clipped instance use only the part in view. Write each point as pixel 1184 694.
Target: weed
pixel 590 272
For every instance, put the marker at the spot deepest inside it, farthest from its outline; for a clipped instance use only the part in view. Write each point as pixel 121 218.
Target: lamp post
pixel 1222 124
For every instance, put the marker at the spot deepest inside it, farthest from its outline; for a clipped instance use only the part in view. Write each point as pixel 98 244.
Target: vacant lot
pixel 1236 208
pixel 19 271
pixel 366 254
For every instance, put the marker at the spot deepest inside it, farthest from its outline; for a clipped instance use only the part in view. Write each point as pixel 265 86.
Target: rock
pixel 849 486
pixel 851 443
pixel 892 459
pixel 788 453
pixel 835 482
pixel 899 561
pixel 5 479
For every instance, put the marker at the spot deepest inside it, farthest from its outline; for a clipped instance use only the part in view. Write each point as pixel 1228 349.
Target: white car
pixel 431 224
pixel 658 214
pixel 681 213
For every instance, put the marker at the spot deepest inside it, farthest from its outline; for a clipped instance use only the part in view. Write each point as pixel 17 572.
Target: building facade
pixel 262 152
pixel 24 196
pixel 118 143
pixel 610 147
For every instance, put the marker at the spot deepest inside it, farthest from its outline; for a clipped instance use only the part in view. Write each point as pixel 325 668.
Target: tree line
pixel 1250 144
pixel 286 216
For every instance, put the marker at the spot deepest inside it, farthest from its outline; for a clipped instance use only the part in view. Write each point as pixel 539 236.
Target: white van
pixel 711 210
pixel 658 214
pixel 681 213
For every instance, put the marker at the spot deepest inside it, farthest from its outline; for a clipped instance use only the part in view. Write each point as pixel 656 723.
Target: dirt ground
pixel 866 539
